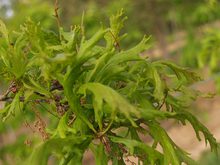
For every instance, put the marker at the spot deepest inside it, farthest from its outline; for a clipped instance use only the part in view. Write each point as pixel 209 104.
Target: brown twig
pixel 164 100
pixel 106 142
pixel 56 15
pixel 116 44
pixel 12 88
pixel 129 161
pixel 22 99
pixel 71 120
pixel 49 111
pixel 4 97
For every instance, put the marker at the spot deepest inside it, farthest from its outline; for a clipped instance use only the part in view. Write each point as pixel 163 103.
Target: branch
pixel 12 88
pixel 56 15
pixel 164 100
pixel 116 44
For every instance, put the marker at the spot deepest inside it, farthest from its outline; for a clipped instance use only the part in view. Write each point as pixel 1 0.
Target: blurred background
pixel 184 31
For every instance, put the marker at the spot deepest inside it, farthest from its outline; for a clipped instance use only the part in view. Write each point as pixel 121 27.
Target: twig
pixel 12 88
pixel 72 120
pixel 56 8
pixel 56 15
pixel 108 127
pixel 117 45
pixel 55 86
pixel 164 100
pixel 4 98
pixel 105 141
pixel 49 111
pixel 22 99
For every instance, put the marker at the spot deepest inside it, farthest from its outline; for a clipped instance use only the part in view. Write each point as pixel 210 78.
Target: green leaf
pixel 75 145
pixel 106 94
pixel 198 127
pixel 151 155
pixel 35 86
pixel 4 31
pixel 159 86
pixel 112 64
pixel 181 72
pixel 116 24
pixel 99 154
pixel 63 129
pixel 160 135
pixel 15 106
pixel 88 44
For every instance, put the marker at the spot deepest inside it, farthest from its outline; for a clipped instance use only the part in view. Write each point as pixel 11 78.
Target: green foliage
pixel 37 10
pixel 156 17
pixel 202 52
pixel 209 158
pixel 92 88
pixel 210 51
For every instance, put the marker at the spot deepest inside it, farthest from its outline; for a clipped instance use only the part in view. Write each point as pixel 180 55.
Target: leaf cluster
pixel 94 90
